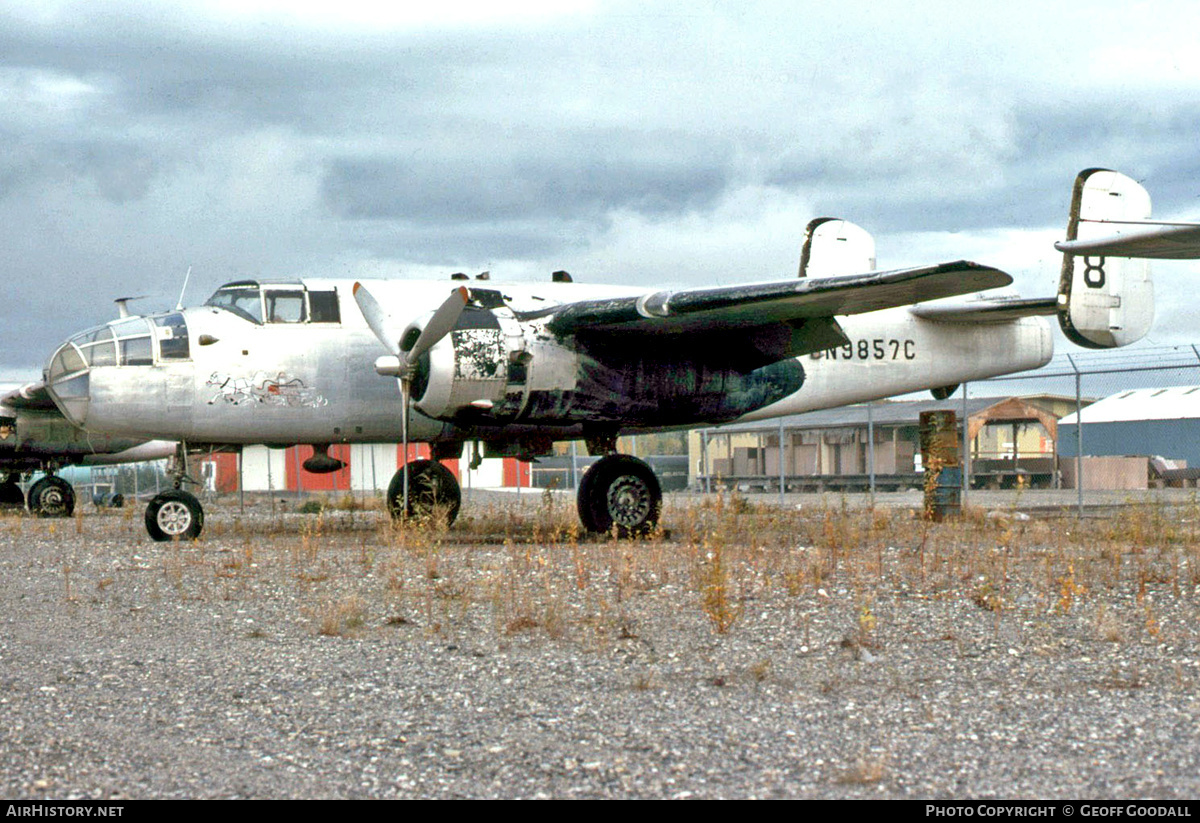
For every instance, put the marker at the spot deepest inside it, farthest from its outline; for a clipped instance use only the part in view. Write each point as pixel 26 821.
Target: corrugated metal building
pixel 1163 422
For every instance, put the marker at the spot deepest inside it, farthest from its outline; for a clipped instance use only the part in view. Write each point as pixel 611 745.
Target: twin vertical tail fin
pixel 833 246
pixel 1105 294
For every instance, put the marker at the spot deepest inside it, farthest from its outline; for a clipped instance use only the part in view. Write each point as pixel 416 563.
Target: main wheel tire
pixel 432 492
pixel 11 495
pixel 620 493
pixel 52 497
pixel 174 515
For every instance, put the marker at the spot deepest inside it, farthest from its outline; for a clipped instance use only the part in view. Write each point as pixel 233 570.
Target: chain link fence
pixel 1022 432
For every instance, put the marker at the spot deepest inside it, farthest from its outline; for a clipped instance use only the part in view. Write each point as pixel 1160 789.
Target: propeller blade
pixel 405 392
pixel 440 324
pixel 377 319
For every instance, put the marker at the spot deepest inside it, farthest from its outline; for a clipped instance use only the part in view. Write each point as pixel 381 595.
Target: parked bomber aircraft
pixel 519 366
pixel 34 437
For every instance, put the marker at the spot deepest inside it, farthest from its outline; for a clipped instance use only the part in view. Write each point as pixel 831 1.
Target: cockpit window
pixel 285 306
pixel 243 299
pixel 278 303
pixel 324 305
pixel 172 337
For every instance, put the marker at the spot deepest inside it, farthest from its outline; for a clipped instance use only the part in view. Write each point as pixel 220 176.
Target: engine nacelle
pixel 495 368
pixel 467 371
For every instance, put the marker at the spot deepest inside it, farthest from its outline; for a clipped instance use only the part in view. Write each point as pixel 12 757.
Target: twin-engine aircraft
pixel 519 366
pixel 34 437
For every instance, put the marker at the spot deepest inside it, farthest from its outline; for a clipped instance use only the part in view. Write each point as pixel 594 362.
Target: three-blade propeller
pixel 402 364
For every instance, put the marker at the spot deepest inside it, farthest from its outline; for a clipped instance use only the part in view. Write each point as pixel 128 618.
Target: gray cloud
pixel 577 178
pixel 141 139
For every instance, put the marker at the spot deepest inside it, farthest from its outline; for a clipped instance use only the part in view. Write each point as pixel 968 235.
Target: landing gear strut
pixel 432 492
pixel 52 497
pixel 621 493
pixel 175 514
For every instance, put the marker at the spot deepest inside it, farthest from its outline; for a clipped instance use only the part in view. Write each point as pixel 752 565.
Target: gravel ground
pixel 290 656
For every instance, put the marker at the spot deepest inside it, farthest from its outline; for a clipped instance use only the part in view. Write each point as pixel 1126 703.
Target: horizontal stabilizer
pixel 990 310
pixel 1158 241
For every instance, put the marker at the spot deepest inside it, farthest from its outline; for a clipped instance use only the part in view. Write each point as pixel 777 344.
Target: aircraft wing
pixel 28 396
pixel 1160 241
pixel 758 304
pixel 753 325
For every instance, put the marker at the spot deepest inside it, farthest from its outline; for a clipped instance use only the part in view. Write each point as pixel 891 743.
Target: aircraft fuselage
pixel 293 363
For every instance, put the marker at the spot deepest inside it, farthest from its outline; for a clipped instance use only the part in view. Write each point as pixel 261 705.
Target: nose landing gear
pixel 175 514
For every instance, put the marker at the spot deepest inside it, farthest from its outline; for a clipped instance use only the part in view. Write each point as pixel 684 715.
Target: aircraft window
pixel 135 351
pixel 100 354
pixel 172 337
pixel 285 307
pixel 97 347
pixel 324 306
pixel 138 327
pixel 67 361
pixel 93 335
pixel 243 301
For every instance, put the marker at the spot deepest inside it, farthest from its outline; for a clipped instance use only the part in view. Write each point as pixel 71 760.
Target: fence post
pixel 1078 436
pixel 782 477
pixel 966 449
pixel 871 448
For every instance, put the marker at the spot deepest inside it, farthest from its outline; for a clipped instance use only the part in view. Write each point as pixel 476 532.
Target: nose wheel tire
pixel 432 492
pixel 620 492
pixel 52 497
pixel 174 515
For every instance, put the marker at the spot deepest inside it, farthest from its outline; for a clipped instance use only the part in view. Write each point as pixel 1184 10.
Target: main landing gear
pixel 618 494
pixel 175 514
pixel 432 493
pixel 51 496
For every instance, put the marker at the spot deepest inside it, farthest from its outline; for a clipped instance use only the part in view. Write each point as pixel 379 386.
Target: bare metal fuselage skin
pixel 209 375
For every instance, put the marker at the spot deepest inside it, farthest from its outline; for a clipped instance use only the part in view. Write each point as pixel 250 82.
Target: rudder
pixel 1105 302
pixel 833 246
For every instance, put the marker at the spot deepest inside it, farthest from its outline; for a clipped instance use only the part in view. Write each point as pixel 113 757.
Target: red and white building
pixel 369 467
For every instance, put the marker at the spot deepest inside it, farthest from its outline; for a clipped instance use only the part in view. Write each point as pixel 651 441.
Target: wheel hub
pixel 52 501
pixel 174 518
pixel 629 501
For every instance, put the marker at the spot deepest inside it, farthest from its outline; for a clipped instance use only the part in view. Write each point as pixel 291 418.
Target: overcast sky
pixel 672 143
